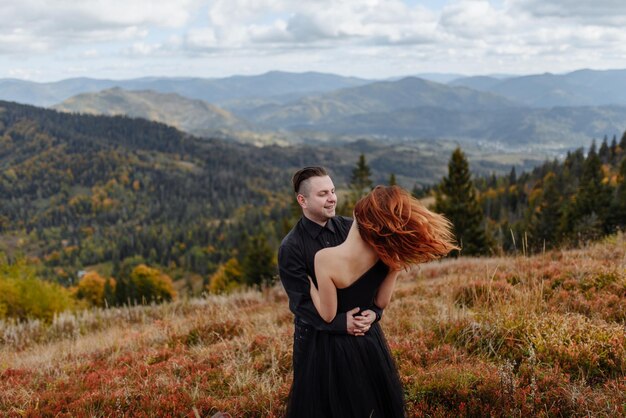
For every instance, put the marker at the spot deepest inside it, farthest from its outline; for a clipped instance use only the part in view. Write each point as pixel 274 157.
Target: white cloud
pixel 364 37
pixel 244 23
pixel 605 12
pixel 50 24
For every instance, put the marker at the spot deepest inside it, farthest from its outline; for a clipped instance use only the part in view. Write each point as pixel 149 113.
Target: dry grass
pixel 525 336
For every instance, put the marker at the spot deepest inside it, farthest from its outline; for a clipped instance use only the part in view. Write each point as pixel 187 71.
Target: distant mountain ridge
pixel 383 96
pixel 190 115
pixel 555 128
pixel 284 108
pixel 578 88
pixel 212 90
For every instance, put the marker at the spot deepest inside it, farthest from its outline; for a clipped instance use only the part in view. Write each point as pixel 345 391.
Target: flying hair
pixel 400 229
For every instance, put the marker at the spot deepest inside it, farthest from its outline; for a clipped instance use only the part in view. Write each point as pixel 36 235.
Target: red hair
pixel 400 229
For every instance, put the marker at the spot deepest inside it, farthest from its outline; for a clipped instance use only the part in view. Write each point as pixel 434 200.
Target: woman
pixel 346 376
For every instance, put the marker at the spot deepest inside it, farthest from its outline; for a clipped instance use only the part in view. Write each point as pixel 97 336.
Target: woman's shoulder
pixel 327 256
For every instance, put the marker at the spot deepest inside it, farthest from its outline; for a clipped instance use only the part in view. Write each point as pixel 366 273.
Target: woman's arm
pixel 383 295
pixel 325 296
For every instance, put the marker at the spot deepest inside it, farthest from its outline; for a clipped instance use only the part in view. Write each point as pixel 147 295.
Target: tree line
pixel 567 202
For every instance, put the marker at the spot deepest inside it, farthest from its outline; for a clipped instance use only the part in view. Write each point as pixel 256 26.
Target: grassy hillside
pixel 541 335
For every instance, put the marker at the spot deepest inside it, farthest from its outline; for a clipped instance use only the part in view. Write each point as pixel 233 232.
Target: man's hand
pixel 360 324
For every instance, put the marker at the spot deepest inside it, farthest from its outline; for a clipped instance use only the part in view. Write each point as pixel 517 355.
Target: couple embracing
pixel 339 274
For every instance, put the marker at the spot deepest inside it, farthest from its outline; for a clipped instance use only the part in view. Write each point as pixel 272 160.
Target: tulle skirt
pixel 343 376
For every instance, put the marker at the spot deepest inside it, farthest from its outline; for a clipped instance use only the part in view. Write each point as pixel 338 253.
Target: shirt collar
pixel 314 229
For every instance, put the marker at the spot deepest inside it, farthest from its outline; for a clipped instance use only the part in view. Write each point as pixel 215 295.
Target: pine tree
pixel 593 198
pixel 456 199
pixel 613 149
pixel 605 152
pixel 259 263
pixel 545 219
pixel 392 180
pixel 617 218
pixel 361 182
pixel 512 176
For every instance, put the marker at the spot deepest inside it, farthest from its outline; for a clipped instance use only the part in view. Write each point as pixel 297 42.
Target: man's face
pixel 318 200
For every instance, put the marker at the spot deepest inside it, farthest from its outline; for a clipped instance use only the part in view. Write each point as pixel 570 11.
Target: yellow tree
pixel 228 277
pixel 91 288
pixel 149 284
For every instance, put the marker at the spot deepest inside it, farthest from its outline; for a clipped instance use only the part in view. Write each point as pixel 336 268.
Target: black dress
pixel 343 376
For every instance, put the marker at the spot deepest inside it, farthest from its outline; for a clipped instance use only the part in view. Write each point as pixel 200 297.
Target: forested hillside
pixel 80 190
pixel 569 202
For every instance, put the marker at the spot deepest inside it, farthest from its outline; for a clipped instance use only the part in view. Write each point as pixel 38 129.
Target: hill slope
pixel 532 336
pixel 113 187
pixel 194 116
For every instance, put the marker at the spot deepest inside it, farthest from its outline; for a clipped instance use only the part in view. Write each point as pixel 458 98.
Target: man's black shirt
pixel 295 261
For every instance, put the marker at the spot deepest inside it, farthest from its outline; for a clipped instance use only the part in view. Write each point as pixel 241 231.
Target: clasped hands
pixel 356 325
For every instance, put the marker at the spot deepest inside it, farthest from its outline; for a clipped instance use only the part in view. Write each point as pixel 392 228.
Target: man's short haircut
pixel 304 174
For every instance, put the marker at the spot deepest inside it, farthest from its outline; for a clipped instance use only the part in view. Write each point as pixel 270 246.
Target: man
pixel 317 228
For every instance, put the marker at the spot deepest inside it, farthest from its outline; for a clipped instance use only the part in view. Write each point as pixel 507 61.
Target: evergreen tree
pixel 109 292
pixel 259 263
pixel 125 293
pixel 361 182
pixel 545 220
pixel 593 199
pixel 512 176
pixel 456 199
pixel 613 149
pixel 392 180
pixel 617 217
pixel 605 152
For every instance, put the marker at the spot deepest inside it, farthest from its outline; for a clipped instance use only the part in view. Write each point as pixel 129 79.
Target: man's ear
pixel 301 201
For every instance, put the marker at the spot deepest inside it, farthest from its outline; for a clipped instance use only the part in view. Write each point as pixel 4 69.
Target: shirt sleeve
pixel 293 276
pixel 377 311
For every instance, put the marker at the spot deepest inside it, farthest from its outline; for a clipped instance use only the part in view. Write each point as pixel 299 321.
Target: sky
pixel 50 40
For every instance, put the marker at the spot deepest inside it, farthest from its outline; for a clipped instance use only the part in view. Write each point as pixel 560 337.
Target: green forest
pixel 102 211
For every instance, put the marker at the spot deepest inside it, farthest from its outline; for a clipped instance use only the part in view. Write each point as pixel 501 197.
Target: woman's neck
pixel 355 244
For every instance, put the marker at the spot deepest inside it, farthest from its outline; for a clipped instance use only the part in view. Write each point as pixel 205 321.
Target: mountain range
pixel 578 88
pixel 548 111
pixel 280 86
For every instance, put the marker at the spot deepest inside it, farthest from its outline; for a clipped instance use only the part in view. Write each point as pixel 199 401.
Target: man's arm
pixel 293 276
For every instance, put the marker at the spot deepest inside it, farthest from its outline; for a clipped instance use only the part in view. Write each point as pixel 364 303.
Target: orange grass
pixel 510 336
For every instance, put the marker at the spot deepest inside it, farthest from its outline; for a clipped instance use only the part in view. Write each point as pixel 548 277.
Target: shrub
pixel 228 277
pixel 23 295
pixel 151 284
pixel 92 288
